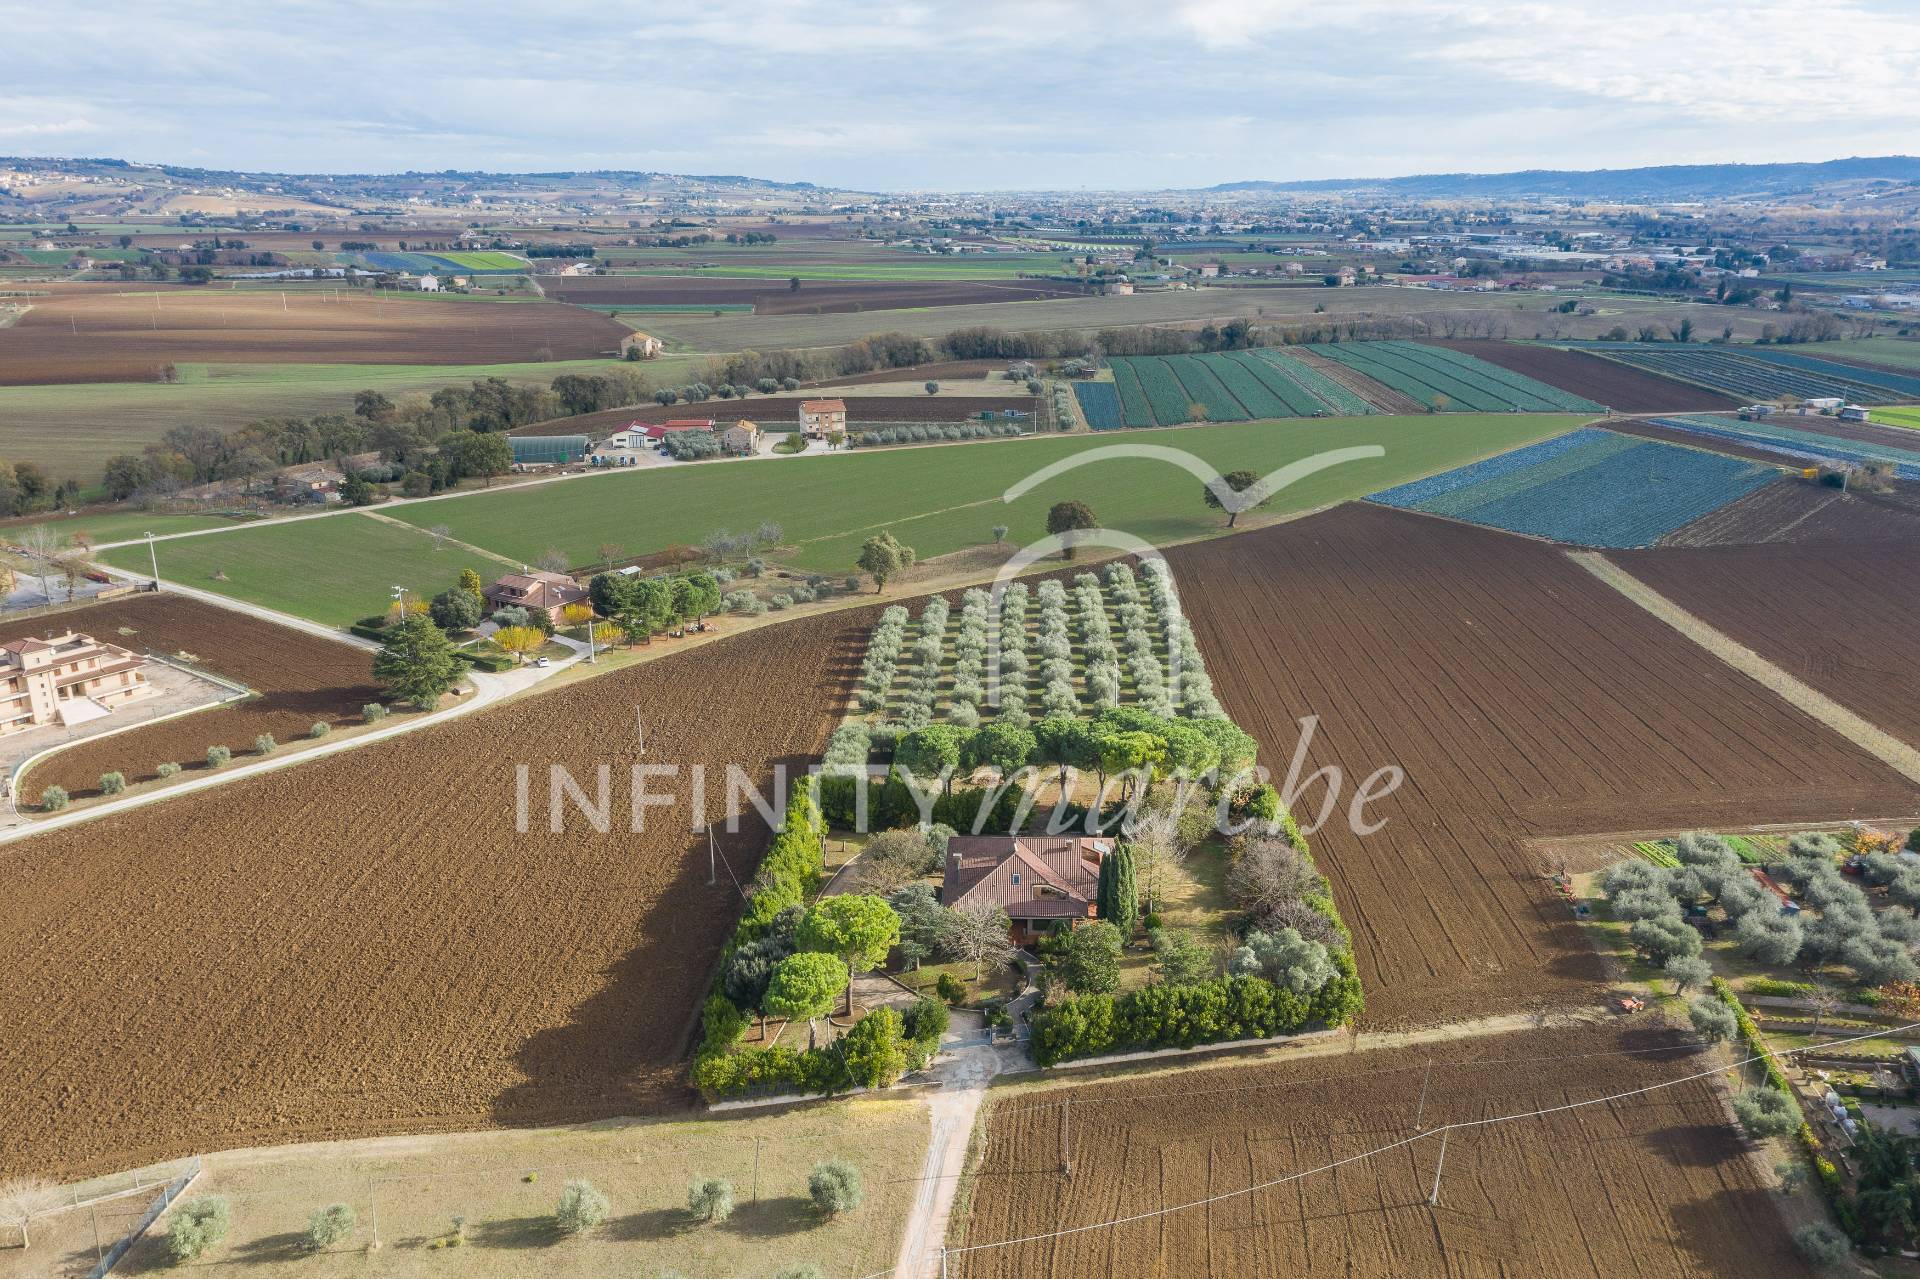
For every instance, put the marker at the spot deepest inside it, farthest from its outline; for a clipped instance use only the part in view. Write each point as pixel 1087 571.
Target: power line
pixel 1351 1074
pixel 1441 1130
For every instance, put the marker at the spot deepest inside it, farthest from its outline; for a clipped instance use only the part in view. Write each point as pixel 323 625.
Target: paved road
pixel 487 689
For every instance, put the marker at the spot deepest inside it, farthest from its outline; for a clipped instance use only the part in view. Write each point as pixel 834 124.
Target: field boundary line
pixel 1900 756
pixel 449 539
pixel 1424 1134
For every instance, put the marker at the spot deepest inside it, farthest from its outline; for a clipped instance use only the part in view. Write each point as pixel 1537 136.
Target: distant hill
pixel 94 186
pixel 1658 182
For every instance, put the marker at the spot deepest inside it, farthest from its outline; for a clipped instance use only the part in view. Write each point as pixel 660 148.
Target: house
pixel 821 418
pixel 645 343
pixel 1209 270
pixel 741 439
pixel 66 679
pixel 631 436
pixel 308 482
pixel 535 589
pixel 428 284
pixel 1041 881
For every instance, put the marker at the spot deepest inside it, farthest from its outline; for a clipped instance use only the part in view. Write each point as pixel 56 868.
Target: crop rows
pixel 1742 375
pixel 1805 446
pixel 1296 372
pixel 1903 386
pixel 1524 392
pixel 1071 649
pixel 1592 488
pixel 1429 373
pixel 1100 405
pixel 1231 386
pixel 1133 401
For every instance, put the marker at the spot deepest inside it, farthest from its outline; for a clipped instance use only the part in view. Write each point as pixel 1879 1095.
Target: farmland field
pixel 364 945
pixel 1800 511
pixel 774 297
pixel 484 261
pixel 1099 405
pixel 335 570
pixel 1908 418
pixel 1435 375
pixel 1745 372
pixel 302 679
pixel 1783 602
pixel 1589 487
pixel 72 429
pixel 1622 389
pixel 784 410
pixel 127 337
pixel 1229 386
pixel 1894 353
pixel 1811 440
pixel 1658 1185
pixel 826 505
pixel 1523 698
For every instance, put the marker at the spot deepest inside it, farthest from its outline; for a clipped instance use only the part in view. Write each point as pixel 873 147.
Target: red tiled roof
pixel 1058 875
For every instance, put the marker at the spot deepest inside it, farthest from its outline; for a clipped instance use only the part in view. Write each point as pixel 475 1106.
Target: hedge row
pixel 1218 1011
pixel 1825 1174
pixel 722 1070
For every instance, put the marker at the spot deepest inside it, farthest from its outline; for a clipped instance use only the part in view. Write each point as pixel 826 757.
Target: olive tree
pixel 1766 1112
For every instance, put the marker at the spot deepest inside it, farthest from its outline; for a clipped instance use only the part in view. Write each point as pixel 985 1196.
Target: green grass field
pixel 72 430
pixel 925 266
pixel 116 526
pixel 334 570
pixel 1908 417
pixel 936 500
pixel 1898 353
pixel 485 261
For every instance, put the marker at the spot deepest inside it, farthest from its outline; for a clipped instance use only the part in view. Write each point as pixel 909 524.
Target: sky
pixel 1039 94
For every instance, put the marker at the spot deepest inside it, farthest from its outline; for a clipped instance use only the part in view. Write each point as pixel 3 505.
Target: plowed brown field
pixel 115 336
pixel 1524 699
pixel 1659 1185
pixel 302 679
pixel 363 944
pixel 1836 614
pixel 1620 388
pixel 1797 511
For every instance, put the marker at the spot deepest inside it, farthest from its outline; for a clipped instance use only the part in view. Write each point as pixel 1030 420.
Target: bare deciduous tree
pixel 977 932
pixel 24 1198
pixel 1269 875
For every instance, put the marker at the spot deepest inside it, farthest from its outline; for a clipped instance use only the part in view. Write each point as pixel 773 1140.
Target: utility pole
pixel 1433 1200
pixel 373 1211
pixel 155 557
pixel 713 869
pixel 756 1171
pixel 1422 1110
pixel 1066 1115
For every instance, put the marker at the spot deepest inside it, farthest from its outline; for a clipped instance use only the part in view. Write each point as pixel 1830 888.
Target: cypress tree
pixel 1125 893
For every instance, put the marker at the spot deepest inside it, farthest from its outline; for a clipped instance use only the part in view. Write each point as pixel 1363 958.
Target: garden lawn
pixel 333 570
pixel 937 500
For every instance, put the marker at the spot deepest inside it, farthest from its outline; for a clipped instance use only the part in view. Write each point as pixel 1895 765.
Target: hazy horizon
pixel 1045 95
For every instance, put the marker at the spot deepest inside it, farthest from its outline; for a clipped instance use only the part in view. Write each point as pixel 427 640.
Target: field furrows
pixel 1521 702
pixel 363 944
pixel 1659 1186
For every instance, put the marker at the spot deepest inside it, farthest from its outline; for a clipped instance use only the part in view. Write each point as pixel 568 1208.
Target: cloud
pixel 994 93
